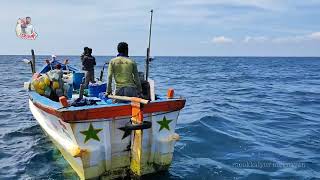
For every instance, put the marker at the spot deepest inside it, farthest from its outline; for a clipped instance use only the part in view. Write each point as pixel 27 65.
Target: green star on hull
pixel 164 124
pixel 91 133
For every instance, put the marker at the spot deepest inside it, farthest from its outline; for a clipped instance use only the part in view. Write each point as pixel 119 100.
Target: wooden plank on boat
pixel 126 98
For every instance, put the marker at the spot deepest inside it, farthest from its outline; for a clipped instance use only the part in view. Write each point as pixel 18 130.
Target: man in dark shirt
pixel 88 63
pixel 85 51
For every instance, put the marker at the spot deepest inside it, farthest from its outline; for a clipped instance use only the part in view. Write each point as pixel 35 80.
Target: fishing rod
pixel 148 49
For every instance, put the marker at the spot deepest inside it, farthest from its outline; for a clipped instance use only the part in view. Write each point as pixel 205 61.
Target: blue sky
pixel 187 28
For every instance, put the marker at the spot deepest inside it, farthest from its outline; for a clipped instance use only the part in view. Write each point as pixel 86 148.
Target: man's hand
pixel 66 61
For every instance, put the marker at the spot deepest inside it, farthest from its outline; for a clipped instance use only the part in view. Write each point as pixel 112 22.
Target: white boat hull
pixel 96 147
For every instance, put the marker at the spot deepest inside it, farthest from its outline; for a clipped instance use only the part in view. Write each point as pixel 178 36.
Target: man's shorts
pixel 126 91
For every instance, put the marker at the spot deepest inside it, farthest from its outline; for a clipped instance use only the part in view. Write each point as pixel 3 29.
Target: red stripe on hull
pixel 111 112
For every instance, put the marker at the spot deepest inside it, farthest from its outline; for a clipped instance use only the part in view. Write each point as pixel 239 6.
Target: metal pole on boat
pixel 102 70
pixel 33 61
pixel 148 49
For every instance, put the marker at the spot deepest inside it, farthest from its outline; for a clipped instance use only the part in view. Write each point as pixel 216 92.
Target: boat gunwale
pixel 114 112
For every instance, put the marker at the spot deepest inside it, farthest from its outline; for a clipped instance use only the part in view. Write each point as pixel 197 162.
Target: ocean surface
pixel 245 118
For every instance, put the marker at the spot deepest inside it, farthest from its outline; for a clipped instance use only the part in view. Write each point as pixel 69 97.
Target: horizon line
pixel 262 56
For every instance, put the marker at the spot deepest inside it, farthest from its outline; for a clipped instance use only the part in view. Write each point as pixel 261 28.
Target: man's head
pixel 89 51
pixel 85 50
pixel 58 66
pixel 28 20
pixel 53 57
pixel 123 48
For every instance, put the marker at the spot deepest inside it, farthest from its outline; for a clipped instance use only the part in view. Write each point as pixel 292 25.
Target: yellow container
pixel 35 84
pixel 40 91
pixel 46 80
pixel 55 85
pixel 41 85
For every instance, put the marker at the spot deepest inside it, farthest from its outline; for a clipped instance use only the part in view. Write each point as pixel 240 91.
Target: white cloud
pixel 258 39
pixel 221 40
pixel 315 36
pixel 289 39
pixel 263 4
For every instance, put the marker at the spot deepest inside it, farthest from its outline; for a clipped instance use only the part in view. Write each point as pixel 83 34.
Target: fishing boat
pixel 99 137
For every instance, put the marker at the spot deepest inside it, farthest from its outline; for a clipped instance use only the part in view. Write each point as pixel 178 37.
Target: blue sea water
pixel 245 118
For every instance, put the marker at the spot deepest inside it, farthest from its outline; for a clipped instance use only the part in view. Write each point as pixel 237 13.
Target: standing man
pixel 85 51
pixel 88 63
pixel 125 73
pixel 53 58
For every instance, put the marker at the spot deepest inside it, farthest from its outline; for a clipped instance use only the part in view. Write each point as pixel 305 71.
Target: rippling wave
pixel 245 118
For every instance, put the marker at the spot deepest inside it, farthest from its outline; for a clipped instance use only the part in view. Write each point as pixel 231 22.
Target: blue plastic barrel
pixel 95 88
pixel 77 79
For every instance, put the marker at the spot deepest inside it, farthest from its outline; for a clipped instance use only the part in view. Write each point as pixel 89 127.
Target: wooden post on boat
pixel 136 148
pixel 33 61
pixel 136 163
